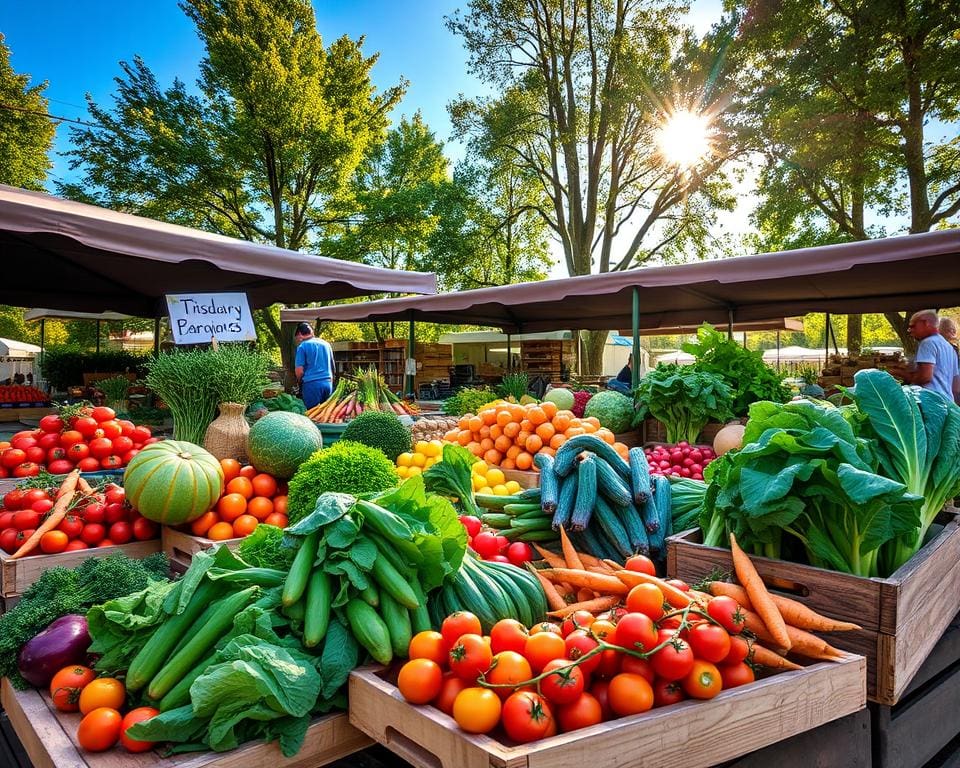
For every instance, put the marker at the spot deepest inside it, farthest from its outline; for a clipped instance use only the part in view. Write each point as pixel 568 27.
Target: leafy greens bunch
pixel 805 480
pixel 683 400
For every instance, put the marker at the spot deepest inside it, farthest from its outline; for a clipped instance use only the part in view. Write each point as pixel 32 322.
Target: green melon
pixel 281 441
pixel 173 482
pixel 562 398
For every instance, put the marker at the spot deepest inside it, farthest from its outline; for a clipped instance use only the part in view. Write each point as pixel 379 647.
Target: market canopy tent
pixel 868 276
pixel 778 324
pixel 84 258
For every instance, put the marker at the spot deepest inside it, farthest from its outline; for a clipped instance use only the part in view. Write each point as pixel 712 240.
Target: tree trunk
pixel 854 334
pixel 594 343
pixel 899 324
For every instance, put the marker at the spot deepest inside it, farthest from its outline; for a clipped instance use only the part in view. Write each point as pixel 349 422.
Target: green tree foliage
pixel 579 92
pixel 279 125
pixel 26 134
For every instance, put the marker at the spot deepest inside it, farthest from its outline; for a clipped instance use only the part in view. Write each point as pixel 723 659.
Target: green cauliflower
pixel 344 467
pixel 379 429
pixel 613 410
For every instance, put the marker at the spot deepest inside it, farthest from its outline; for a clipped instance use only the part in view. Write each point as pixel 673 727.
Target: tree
pixel 26 133
pixel 578 104
pixel 844 93
pixel 277 127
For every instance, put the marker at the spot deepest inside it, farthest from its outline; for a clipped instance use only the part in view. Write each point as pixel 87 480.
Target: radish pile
pixel 680 460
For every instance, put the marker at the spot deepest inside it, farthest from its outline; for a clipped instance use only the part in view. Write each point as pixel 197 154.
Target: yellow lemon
pixel 436 448
pixel 404 459
pixel 480 468
pixel 500 490
pixel 485 489
pixel 431 460
pixel 422 446
pixel 419 460
pixel 513 486
pixel 402 471
pixel 478 482
pixel 413 471
pixel 495 476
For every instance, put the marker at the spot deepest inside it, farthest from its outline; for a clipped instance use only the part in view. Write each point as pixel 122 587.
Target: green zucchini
pixel 370 631
pixel 567 453
pixel 205 632
pixel 420 616
pixel 612 528
pixel 530 494
pixel 300 569
pixel 636 532
pixel 586 492
pixel 316 617
pixel 538 536
pixel 392 527
pixel 663 498
pixel 491 501
pixel 392 581
pixel 549 485
pixel 538 523
pixel 639 476
pixel 179 695
pixel 611 485
pixel 469 597
pixel 521 509
pixel 565 501
pixel 495 520
pixel 399 627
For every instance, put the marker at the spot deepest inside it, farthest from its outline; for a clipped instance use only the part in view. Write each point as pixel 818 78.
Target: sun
pixel 684 138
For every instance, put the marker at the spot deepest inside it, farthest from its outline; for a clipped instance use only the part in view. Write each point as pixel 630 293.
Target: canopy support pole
pixel 778 350
pixel 730 324
pixel 43 329
pixel 98 337
pixel 156 336
pixel 826 339
pixel 635 368
pixel 411 351
pixel 509 355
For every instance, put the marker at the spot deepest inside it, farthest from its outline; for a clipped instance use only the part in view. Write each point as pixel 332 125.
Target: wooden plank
pixel 698 733
pixel 17 575
pixel 49 738
pixel 30 414
pixel 180 547
pixel 945 654
pixel 525 478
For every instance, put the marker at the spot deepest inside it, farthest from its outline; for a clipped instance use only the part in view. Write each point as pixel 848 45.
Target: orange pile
pixel 510 435
pixel 249 498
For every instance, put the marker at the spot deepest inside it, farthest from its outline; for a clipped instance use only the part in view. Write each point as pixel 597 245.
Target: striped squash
pixel 173 482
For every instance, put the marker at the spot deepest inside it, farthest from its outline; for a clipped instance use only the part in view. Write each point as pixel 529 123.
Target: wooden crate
pixel 180 547
pixel 7 603
pixel 49 738
pixel 902 616
pixel 653 431
pixel 630 439
pixel 17 575
pixel 31 413
pixel 526 478
pixel 696 733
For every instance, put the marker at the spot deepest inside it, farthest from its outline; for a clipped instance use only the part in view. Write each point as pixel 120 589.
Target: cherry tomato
pixel 120 532
pixel 703 681
pixel 739 650
pixel 93 534
pixel 420 681
pixel 132 717
pixel 733 675
pixel 508 635
pixel 646 599
pixel 449 690
pixel 636 631
pixel 641 564
pixel 508 668
pixel 673 661
pixel 429 645
pixel 546 626
pixel 519 552
pixel 477 710
pixel 709 642
pixel 576 620
pixel 604 629
pixel 94 513
pixel 65 686
pixel 100 728
pixel 629 694
pixel 526 717
pixel 71 525
pixel 667 692
pixel 726 611
pixel 564 684
pixel 470 656
pixel 502 544
pixel 578 644
pixel 457 624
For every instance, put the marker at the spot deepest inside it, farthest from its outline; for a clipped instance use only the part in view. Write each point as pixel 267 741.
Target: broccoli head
pixel 612 409
pixel 379 429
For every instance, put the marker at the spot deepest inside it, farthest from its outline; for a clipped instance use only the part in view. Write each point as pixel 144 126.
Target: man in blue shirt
pixel 936 361
pixel 314 366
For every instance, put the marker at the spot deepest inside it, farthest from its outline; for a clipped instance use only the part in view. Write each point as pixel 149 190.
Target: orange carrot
pixel 570 555
pixel 801 642
pixel 596 605
pixel 68 489
pixel 613 564
pixel 599 582
pixel 584 594
pixel 759 596
pixel 84 486
pixel 551 559
pixel 676 597
pixel 767 658
pixel 794 613
pixel 589 560
pixel 554 599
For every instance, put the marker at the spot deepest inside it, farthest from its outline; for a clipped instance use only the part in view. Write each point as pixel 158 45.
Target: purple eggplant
pixel 62 643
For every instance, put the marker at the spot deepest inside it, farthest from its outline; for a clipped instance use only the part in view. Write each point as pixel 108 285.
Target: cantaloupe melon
pixel 173 482
pixel 281 441
pixel 563 398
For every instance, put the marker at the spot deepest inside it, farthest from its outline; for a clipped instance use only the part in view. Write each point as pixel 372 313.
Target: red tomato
pixel 76 452
pixel 128 456
pixel 702 681
pixel 144 530
pixel 583 712
pixel 126 427
pixel 641 564
pixel 53 542
pixel 137 715
pixel 576 620
pixel 8 540
pixel 27 469
pixel 86 426
pixel 112 430
pixel 56 454
pixel 140 434
pixel 115 494
pixel 636 631
pixel 726 611
pixel 34 495
pixel 6 521
pixel 112 462
pixel 11 457
pixel 600 690
pixel 485 544
pixel 152 440
pixel 103 413
pixel 508 668
pixel 733 675
pixel 502 543
pixel 629 694
pixel 420 681
pixel 94 513
pixel 75 545
pixel 12 500
pixel 577 645
pixel 71 525
pixel 565 683
pixel 24 443
pixel 681 585
pixel 508 635
pixel 673 661
pixel 428 645
pixel 122 444
pixel 93 534
pixel 451 686
pixel 49 440
pixel 23 536
pixel 519 552
pixel 70 437
pixel 667 692
pixel 51 423
pixel 457 624
pixel 60 467
pixel 101 447
pixel 709 642
pixel 115 512
pixel 638 666
pixel 470 656
pixel 526 717
pixel 471 523
pixel 121 532
pixel 66 685
pixel 25 519
pixel 739 650
pixel 646 599
pixel 609 665
pixel 542 648
pixel 36 454
pixel 89 464
pixel 42 507
pixel 100 729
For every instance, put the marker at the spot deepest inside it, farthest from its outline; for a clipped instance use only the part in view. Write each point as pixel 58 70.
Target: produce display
pixel 683 399
pixel 518 517
pixel 364 391
pixel 249 498
pixel 379 429
pixel 22 396
pixel 510 435
pixel 90 439
pixel 680 460
pixel 424 455
pixel 427 428
pixel 174 482
pixel 613 410
pixel 491 480
pixel 46 516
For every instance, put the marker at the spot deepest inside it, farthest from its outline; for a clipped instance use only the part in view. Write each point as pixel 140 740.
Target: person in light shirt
pixel 936 361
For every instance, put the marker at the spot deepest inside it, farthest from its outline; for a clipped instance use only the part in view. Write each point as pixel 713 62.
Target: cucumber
pixel 538 536
pixel 515 598
pixel 148 661
pixel 371 595
pixel 300 569
pixel 296 611
pixel 503 596
pixel 316 617
pixel 392 527
pixel 492 501
pixel 390 552
pixel 639 476
pixel 495 520
pixel 523 587
pixel 611 485
pixel 590 540
pixel 567 454
pixel 530 494
pixel 586 492
pixel 392 581
pixel 468 597
pixel 179 695
pixel 565 502
pixel 663 498
pixel 369 630
pixel 522 509
pixel 549 485
pixel 538 523
pixel 605 517
pixel 397 619
pixel 420 616
pixel 204 633
pixel 648 513
pixel 636 532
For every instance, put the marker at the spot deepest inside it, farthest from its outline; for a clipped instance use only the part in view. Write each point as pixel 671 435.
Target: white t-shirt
pixel 937 350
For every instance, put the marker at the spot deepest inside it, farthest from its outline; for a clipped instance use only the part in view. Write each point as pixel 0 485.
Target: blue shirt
pixel 937 350
pixel 316 358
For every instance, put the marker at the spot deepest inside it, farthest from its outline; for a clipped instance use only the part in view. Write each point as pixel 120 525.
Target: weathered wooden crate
pixel 526 478
pixel 27 413
pixel 653 431
pixel 180 547
pixel 630 439
pixel 694 733
pixel 17 575
pixel 902 616
pixel 49 738
pixel 8 603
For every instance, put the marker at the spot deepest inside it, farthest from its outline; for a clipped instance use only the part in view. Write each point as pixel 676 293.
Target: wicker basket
pixel 226 437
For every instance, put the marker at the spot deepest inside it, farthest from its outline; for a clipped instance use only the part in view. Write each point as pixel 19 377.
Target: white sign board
pixel 197 318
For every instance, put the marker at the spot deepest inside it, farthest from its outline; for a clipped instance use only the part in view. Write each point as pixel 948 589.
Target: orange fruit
pixel 524 460
pixel 280 504
pixel 574 431
pixel 264 485
pixel 474 424
pixel 486 444
pixel 526 425
pixel 277 519
pixel 242 485
pixel 521 438
pixel 606 435
pixel 512 451
pixel 484 432
pixel 463 422
pixel 588 427
pixel 533 443
pixel 561 421
pixel 502 444
pixel 248 471
pixel 507 464
pixel 493 456
pixel 474 448
pixel 245 525
pixel 550 409
pixel 230 507
pixel 593 420
pixel 201 525
pixel 536 415
pixel 511 430
pixel 260 507
pixel 220 531
pixel 451 436
pixel 464 436
pixel 489 416
pixel 504 417
pixel 548 451
pixel 545 431
pixel 495 432
pixel 557 440
pixel 231 469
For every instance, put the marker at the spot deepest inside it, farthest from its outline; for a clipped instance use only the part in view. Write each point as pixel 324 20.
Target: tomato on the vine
pixel 604 629
pixel 578 644
pixel 726 611
pixel 629 694
pixel 477 710
pixel 703 681
pixel 449 690
pixel 637 666
pixel 508 635
pixel 674 660
pixel 641 564
pixel 600 690
pixel 709 642
pixel 667 692
pixel 66 685
pixel 576 620
pixel 457 624
pixel 508 668
pixel 646 599
pixel 543 647
pixel 583 712
pixel 470 656
pixel 546 626
pixel 526 716
pixel 563 683
pixel 637 632
pixel 609 664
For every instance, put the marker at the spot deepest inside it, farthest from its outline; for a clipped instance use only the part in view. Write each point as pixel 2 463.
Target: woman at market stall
pixel 314 366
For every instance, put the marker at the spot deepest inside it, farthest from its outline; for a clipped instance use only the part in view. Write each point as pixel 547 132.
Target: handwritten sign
pixel 197 318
